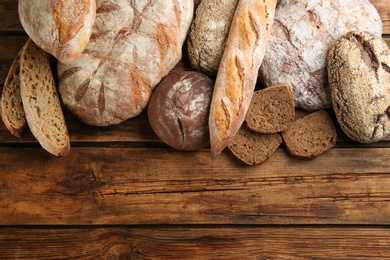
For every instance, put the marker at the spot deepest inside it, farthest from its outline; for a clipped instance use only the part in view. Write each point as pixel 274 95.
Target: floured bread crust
pixel 134 44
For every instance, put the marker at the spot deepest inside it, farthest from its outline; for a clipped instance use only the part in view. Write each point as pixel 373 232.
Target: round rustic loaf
pixel 359 78
pixel 179 108
pixel 208 34
pixel 301 36
pixel 134 44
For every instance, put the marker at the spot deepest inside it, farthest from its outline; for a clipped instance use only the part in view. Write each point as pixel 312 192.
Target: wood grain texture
pixel 239 242
pixel 164 186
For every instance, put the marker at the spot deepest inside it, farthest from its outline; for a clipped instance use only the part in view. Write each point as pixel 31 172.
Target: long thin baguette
pixel 41 102
pixel 237 73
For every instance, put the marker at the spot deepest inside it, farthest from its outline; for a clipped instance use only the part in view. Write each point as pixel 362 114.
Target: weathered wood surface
pixel 104 200
pixel 238 242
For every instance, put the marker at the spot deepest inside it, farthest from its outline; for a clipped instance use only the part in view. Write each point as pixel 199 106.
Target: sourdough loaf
pixel 310 136
pixel 12 112
pixel 254 148
pixel 237 74
pixel 134 44
pixel 179 108
pixel 62 28
pixel 302 34
pixel 359 79
pixel 271 110
pixel 41 102
pixel 208 34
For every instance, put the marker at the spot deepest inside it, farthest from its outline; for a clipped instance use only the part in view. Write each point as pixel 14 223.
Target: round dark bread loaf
pixel 178 110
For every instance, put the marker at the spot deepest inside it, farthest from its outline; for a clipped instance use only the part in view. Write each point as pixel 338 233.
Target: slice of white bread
pixel 12 112
pixel 41 102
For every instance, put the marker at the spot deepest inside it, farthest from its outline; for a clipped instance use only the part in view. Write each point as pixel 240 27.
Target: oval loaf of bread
pixel 237 74
pixel 61 28
pixel 41 102
pixel 134 44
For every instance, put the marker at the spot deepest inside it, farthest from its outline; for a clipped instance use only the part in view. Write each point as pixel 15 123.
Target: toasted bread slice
pixel 12 112
pixel 41 102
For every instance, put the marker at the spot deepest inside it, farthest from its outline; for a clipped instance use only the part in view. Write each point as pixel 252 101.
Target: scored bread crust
pixel 41 102
pixel 133 46
pixel 237 73
pixel 61 28
pixel 12 112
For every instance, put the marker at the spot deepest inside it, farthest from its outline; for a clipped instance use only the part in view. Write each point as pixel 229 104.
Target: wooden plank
pixel 383 7
pixel 195 243
pixel 164 186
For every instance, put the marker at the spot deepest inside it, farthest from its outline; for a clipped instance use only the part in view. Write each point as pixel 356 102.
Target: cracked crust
pixel 301 37
pixel 237 74
pixel 134 44
pixel 359 79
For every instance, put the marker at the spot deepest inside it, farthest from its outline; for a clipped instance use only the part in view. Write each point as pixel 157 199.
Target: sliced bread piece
pixel 310 135
pixel 271 109
pixel 12 112
pixel 254 148
pixel 41 102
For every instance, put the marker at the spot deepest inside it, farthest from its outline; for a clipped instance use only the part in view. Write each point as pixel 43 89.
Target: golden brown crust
pixel 237 74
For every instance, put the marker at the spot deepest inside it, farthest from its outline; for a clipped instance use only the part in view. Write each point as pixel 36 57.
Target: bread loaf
pixel 41 102
pixel 12 112
pixel 134 44
pixel 208 34
pixel 359 78
pixel 61 28
pixel 300 40
pixel 179 108
pixel 237 74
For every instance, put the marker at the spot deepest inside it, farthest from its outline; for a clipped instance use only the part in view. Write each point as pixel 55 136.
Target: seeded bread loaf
pixel 134 45
pixel 254 148
pixel 41 102
pixel 310 136
pixel 179 108
pixel 208 34
pixel 12 112
pixel 271 110
pixel 61 28
pixel 359 78
pixel 237 74
pixel 301 37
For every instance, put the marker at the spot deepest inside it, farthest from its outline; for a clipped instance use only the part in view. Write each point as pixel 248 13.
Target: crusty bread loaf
pixel 133 46
pixel 12 112
pixel 359 79
pixel 301 36
pixel 61 28
pixel 254 148
pixel 208 34
pixel 41 102
pixel 310 136
pixel 237 74
pixel 179 108
pixel 271 110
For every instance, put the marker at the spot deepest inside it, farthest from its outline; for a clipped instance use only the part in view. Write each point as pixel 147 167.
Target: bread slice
pixel 41 102
pixel 254 148
pixel 271 110
pixel 12 112
pixel 310 135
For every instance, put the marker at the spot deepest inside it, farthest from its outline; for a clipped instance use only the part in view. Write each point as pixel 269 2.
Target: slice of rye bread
pixel 254 148
pixel 41 102
pixel 12 112
pixel 271 110
pixel 311 135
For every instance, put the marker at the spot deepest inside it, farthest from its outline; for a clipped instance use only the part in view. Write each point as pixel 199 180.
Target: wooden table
pixel 123 194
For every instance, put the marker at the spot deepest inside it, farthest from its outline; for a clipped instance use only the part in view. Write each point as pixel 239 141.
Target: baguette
pixel 238 70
